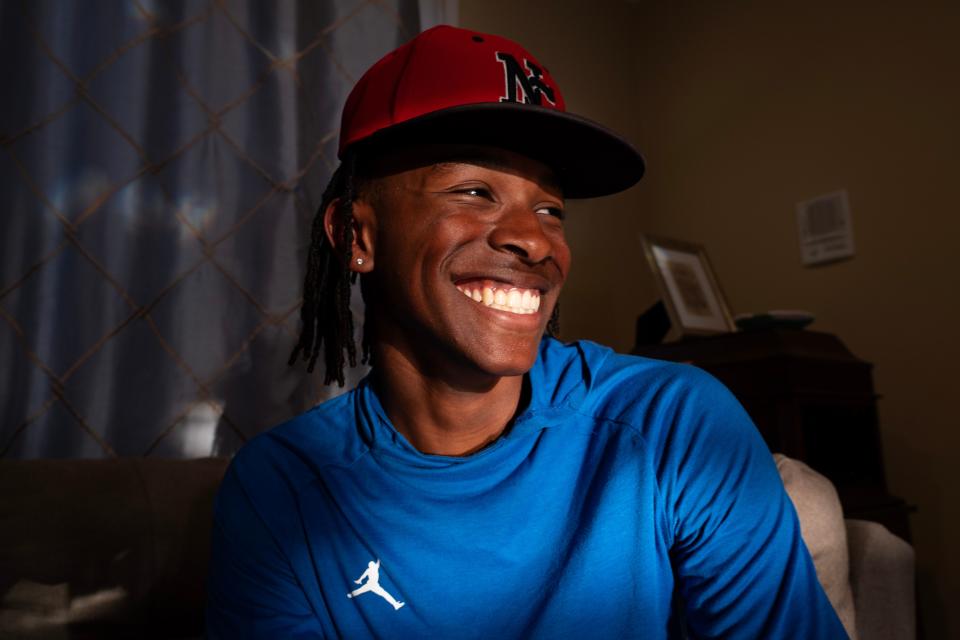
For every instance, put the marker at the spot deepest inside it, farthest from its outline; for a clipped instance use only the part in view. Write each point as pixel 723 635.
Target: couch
pixel 866 571
pixel 118 549
pixel 105 548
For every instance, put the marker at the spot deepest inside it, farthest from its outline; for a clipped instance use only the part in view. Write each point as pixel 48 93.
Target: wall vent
pixel 826 230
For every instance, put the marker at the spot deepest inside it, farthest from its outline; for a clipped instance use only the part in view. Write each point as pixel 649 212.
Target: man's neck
pixel 438 416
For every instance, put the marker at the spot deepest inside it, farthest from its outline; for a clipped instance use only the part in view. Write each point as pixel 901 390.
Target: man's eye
pixel 479 192
pixel 556 212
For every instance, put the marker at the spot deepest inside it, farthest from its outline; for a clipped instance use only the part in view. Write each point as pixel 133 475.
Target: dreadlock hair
pixel 327 321
pixel 326 318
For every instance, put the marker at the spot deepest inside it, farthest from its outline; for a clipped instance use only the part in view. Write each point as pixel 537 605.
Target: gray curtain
pixel 160 163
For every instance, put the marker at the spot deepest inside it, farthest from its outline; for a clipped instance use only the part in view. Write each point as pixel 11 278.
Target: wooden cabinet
pixel 812 400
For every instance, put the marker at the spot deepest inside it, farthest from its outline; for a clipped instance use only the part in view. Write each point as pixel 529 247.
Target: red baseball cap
pixel 459 86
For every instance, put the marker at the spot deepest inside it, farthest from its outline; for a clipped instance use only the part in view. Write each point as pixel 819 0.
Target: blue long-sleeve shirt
pixel 628 495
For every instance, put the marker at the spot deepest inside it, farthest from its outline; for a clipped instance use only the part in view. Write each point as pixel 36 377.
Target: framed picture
pixel 690 290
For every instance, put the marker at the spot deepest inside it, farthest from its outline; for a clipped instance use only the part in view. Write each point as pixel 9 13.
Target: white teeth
pixel 519 301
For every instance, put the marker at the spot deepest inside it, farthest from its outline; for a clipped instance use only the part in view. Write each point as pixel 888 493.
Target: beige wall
pixel 741 113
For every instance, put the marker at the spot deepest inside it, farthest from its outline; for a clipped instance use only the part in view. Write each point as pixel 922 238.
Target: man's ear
pixel 363 222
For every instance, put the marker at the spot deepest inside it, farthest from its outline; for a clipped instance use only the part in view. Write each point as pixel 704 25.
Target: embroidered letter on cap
pixel 531 87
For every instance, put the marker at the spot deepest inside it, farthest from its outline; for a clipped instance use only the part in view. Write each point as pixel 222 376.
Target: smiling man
pixel 485 480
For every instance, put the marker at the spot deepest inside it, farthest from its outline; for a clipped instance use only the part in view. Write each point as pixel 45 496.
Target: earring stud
pixel 359 261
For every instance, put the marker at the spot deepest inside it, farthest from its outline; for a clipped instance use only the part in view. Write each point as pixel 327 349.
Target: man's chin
pixel 507 363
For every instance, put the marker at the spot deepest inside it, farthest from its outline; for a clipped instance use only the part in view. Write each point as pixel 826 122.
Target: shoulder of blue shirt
pixel 581 376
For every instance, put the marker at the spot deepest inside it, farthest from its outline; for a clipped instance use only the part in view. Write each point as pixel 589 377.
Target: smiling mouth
pixel 502 296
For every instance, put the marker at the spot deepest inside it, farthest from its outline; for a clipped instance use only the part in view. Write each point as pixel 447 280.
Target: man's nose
pixel 520 231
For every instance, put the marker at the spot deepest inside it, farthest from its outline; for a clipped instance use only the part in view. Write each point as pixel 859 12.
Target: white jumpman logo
pixel 372 574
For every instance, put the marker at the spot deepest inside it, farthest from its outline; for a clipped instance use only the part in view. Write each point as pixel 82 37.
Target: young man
pixel 484 480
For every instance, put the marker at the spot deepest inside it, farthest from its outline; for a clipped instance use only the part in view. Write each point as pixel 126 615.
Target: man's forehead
pixel 443 159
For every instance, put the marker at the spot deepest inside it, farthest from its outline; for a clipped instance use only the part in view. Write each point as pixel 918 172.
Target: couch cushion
pixel 180 496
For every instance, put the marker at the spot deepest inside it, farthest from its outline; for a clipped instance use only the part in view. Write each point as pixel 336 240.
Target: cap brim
pixel 589 159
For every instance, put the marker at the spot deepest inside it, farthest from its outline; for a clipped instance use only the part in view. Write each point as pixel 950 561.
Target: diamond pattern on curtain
pixel 160 163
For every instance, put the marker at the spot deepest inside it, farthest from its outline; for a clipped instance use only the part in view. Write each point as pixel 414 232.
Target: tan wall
pixel 741 113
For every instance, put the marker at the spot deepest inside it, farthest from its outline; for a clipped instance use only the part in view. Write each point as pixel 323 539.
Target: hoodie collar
pixel 559 381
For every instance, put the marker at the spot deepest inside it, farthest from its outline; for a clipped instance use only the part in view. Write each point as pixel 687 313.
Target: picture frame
pixel 690 289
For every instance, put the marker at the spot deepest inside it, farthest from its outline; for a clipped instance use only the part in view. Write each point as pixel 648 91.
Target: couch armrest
pixel 882 580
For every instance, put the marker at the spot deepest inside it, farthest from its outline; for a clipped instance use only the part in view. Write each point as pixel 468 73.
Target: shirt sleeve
pixel 742 568
pixel 252 590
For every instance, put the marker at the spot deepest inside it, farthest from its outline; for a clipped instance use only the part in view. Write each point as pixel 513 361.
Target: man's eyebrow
pixel 487 162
